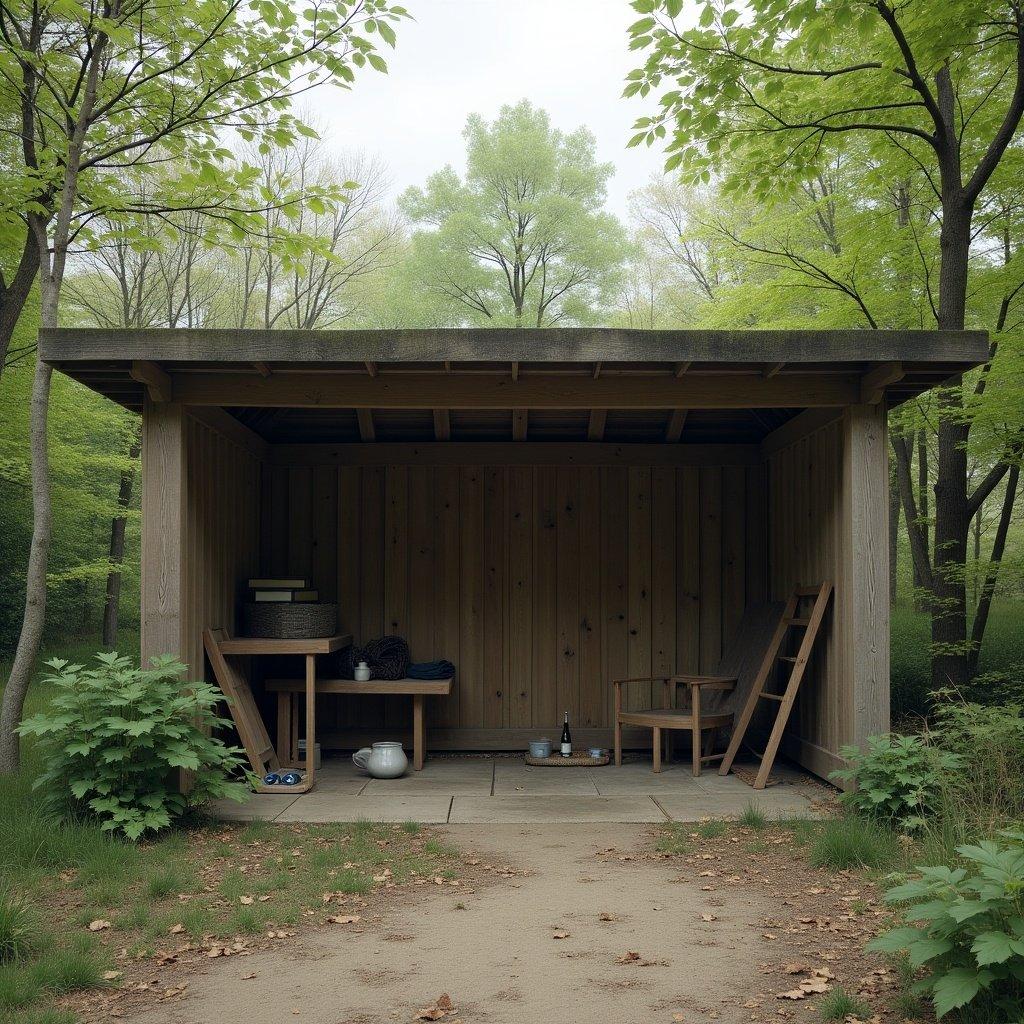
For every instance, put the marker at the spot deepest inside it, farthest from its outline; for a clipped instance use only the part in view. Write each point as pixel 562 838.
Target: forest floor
pixel 674 923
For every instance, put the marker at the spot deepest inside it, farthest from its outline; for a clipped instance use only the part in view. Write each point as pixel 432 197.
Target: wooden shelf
pixel 270 645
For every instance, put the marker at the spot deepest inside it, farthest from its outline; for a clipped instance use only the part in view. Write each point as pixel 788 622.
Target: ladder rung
pixel 712 757
pixel 787 657
pixel 798 622
pixel 770 696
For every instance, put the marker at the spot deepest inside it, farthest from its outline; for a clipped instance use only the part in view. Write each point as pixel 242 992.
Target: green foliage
pixel 967 927
pixel 116 735
pixel 896 777
pixel 853 842
pixel 18 927
pixel 523 240
pixel 753 817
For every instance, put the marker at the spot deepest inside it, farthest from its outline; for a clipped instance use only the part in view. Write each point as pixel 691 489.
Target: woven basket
pixel 284 621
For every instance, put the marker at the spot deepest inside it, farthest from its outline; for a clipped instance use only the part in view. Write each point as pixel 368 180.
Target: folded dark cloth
pixel 431 670
pixel 387 658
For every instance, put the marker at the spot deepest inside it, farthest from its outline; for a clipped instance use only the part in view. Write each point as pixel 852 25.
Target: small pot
pixel 362 672
pixel 596 752
pixel 385 760
pixel 540 748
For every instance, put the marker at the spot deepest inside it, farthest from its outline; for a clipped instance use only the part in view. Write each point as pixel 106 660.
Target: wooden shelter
pixel 548 509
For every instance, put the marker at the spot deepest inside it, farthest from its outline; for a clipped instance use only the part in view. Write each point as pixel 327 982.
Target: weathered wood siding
pixel 826 520
pixel 540 583
pixel 201 512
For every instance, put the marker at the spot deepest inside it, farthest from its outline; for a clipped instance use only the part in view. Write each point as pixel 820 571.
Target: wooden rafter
pixel 520 424
pixel 442 425
pixel 676 422
pixel 681 368
pixel 158 382
pixel 595 429
pixel 515 372
pixel 262 369
pixel 367 432
pixel 771 369
pixel 371 367
pixel 874 382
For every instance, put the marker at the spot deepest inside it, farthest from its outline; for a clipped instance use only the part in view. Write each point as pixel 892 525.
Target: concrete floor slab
pixel 552 808
pixel 259 807
pixel 469 776
pixel 775 803
pixel 319 806
pixel 514 778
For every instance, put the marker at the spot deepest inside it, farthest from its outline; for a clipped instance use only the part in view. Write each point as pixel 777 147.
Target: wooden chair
pixel 713 699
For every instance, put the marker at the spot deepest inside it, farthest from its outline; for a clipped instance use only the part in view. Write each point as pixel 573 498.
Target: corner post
pixel 863 599
pixel 163 524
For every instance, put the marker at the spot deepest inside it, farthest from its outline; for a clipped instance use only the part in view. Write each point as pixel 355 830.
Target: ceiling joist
pixel 158 383
pixel 367 431
pixel 595 428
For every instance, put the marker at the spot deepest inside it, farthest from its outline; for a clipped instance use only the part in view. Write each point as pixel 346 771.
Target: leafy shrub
pixel 969 929
pixel 114 736
pixel 896 777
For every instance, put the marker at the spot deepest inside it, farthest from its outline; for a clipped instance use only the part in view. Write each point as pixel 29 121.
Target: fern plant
pixel 968 928
pixel 115 735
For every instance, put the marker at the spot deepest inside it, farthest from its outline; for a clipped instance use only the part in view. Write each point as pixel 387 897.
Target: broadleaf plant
pixel 115 737
pixel 967 928
pixel 897 777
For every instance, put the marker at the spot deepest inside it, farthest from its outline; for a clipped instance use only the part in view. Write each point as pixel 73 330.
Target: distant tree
pixel 523 239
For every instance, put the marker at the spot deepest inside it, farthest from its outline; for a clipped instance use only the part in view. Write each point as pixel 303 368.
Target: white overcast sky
pixel 471 56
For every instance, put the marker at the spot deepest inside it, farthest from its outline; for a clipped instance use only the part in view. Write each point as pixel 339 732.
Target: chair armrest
pixel 641 679
pixel 707 682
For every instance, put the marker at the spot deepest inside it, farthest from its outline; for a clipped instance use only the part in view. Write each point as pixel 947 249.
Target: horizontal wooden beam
pixel 514 453
pixel 158 382
pixel 431 391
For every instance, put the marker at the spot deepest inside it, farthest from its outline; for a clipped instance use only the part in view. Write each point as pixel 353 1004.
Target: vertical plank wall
pixel 540 583
pixel 826 515
pixel 220 532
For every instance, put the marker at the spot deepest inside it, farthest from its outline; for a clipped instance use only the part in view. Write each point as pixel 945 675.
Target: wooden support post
pixel 863 601
pixel 163 529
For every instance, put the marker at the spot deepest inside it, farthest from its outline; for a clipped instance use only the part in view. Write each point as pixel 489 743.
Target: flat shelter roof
pixel 464 383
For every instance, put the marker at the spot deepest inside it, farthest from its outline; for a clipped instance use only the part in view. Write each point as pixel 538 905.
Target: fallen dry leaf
pixel 249 977
pixel 708 917
pixel 98 925
pixel 246 901
pixel 111 975
pixel 442 1008
pixel 560 933
pixel 176 929
pixel 344 919
pixel 605 916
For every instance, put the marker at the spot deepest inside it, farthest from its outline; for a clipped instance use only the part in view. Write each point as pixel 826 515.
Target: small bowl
pixel 596 752
pixel 540 748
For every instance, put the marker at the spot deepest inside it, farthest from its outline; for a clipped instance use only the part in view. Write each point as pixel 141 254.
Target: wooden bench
pixel 288 691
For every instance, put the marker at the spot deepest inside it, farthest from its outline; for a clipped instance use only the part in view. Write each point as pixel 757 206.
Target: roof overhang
pixel 599 369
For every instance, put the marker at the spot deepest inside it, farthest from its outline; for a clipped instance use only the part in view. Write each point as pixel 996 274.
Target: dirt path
pixel 498 957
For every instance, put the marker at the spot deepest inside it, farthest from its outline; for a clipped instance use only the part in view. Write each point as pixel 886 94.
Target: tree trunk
pixel 35 587
pixel 894 531
pixel 952 517
pixel 992 573
pixel 112 602
pixel 920 598
pixel 15 295
pixel 976 569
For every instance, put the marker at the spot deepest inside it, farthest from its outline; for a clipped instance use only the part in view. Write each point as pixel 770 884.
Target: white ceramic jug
pixel 385 760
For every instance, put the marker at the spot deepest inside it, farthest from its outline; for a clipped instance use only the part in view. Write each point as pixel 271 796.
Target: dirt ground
pixel 592 925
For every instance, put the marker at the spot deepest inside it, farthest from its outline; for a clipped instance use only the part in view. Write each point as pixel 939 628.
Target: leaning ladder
pixel 791 619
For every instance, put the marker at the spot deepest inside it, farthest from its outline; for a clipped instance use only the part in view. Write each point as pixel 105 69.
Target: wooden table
pixel 288 690
pixel 229 679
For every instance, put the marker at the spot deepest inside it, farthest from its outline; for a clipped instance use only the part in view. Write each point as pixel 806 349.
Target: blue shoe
pixel 290 779
pixel 272 779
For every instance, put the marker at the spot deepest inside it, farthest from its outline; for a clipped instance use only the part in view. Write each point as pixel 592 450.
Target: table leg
pixel 284 728
pixel 293 755
pixel 657 749
pixel 417 732
pixel 310 719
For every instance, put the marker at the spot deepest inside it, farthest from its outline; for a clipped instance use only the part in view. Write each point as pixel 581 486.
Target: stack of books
pixel 282 590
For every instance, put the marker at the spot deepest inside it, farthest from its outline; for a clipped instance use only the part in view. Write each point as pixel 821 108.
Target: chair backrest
pixel 746 651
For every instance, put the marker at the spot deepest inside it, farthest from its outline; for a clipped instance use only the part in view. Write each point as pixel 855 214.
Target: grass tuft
pixel 674 839
pixel 854 842
pixel 753 817
pixel 839 1004
pixel 411 828
pixel 712 828
pixel 19 935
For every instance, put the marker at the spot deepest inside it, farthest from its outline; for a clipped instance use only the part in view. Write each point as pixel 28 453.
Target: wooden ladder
pixel 791 619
